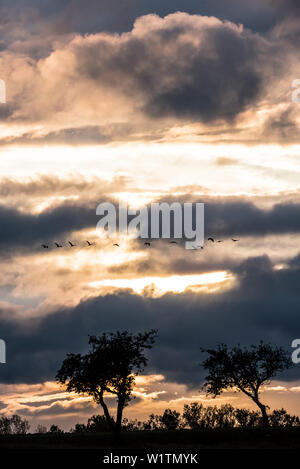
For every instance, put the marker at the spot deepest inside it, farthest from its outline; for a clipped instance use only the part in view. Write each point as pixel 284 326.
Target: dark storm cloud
pixel 237 216
pixel 264 305
pixel 244 218
pixel 20 230
pixel 181 66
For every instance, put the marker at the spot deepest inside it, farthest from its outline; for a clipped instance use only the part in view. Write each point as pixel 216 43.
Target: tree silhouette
pixel 170 419
pixel 14 425
pixel 55 429
pixel 244 370
pixel 110 367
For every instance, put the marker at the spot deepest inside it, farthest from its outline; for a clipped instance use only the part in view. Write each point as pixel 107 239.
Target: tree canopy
pixel 244 369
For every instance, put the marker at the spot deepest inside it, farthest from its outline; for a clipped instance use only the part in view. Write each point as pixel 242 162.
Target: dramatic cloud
pixel 181 67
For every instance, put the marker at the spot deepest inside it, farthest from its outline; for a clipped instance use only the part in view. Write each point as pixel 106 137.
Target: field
pixel 160 440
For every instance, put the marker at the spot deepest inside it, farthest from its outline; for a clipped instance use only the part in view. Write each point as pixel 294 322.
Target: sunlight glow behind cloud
pixel 157 286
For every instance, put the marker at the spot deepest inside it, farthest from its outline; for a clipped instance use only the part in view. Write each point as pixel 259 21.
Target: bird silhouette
pixel 146 243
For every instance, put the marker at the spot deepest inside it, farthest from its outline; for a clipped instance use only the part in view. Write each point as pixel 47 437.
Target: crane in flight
pixel 146 243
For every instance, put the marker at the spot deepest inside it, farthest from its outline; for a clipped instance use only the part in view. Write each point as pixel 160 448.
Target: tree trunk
pixel 105 409
pixel 118 425
pixel 264 413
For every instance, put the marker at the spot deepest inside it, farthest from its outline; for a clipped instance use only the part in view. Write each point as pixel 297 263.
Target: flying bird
pixel 220 241
pixel 71 244
pixel 58 245
pixel 90 244
pixel 235 240
pixel 211 239
pixel 45 246
pixel 116 244
pixel 147 244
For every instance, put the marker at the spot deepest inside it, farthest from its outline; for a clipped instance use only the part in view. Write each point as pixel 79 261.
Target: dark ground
pixel 161 440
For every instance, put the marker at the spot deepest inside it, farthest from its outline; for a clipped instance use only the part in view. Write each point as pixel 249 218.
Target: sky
pixel 146 101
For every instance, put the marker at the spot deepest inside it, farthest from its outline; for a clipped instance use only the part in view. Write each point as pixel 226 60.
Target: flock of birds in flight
pixel 146 243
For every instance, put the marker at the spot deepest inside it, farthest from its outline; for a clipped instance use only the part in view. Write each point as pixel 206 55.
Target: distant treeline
pixel 195 416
